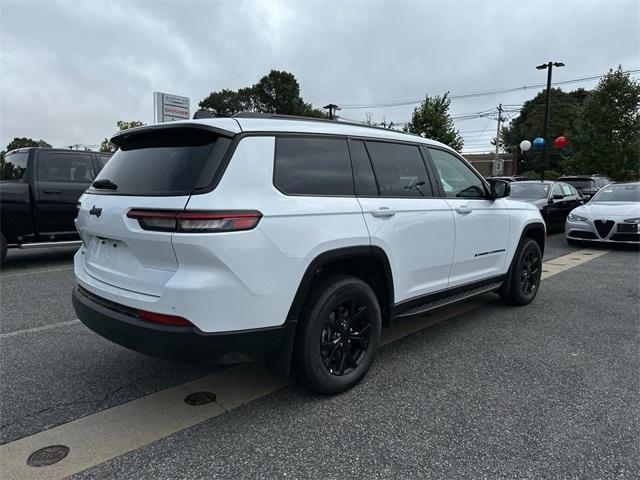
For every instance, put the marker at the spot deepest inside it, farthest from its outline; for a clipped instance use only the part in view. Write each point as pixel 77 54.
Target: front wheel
pixel 338 334
pixel 523 282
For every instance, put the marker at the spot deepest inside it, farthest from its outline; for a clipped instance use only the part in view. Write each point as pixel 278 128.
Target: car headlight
pixel 632 220
pixel 572 217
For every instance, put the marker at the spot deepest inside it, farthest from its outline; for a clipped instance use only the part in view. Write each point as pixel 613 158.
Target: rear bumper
pixel 120 325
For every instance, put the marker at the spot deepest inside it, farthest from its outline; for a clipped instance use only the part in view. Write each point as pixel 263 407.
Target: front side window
pixel 556 189
pixel 313 166
pixel 399 169
pixel 65 167
pixel 14 167
pixel 458 180
pixel 566 190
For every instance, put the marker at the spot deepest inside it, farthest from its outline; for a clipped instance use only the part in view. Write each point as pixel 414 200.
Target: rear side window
pixel 363 177
pixel 399 169
pixel 14 166
pixel 65 167
pixel 313 166
pixel 164 162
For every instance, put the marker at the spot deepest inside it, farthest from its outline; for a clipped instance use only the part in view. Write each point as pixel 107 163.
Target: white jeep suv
pixel 291 240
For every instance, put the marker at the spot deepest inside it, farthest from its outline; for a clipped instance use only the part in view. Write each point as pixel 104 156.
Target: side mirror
pixel 558 196
pixel 499 189
pixel 586 198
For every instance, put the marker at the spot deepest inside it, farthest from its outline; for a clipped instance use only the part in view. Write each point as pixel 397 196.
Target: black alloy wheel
pixel 530 272
pixel 345 337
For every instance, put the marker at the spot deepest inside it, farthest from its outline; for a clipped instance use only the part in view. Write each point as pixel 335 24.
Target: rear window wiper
pixel 104 185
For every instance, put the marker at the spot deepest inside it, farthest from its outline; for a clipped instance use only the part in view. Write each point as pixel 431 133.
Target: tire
pixel 574 243
pixel 523 280
pixel 3 249
pixel 345 356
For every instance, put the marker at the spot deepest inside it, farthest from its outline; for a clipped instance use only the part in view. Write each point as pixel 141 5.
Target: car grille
pixel 626 237
pixel 582 234
pixel 603 227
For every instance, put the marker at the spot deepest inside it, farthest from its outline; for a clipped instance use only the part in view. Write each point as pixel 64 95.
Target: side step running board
pixel 456 297
pixel 68 243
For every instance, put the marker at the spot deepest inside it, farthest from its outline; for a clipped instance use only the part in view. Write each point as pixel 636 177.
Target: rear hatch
pixel 154 169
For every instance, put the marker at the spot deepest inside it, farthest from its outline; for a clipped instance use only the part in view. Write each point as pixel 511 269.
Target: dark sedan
pixel 554 199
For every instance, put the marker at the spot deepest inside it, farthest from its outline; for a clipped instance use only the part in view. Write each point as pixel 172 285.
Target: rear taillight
pixel 163 319
pixel 195 222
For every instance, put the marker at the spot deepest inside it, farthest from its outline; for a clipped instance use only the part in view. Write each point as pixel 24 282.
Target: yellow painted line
pixel 104 435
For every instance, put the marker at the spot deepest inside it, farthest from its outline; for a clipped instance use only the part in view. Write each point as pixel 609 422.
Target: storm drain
pixel 200 398
pixel 47 456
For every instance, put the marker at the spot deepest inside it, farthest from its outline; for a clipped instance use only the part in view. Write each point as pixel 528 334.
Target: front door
pixel 482 225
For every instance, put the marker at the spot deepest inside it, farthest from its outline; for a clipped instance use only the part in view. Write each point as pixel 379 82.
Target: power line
pixel 484 93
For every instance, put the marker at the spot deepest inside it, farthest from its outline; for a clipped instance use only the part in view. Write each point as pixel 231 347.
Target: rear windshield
pixel 163 162
pixel 529 190
pixel 618 193
pixel 581 184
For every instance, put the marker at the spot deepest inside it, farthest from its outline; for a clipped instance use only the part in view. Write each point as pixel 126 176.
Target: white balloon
pixel 525 145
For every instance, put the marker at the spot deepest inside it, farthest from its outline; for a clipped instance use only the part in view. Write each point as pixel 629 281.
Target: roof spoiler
pixel 124 136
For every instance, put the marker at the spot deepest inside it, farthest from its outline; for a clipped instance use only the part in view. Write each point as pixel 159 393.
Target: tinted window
pixel 588 185
pixel 458 180
pixel 365 181
pixel 102 160
pixel 65 167
pixel 14 166
pixel 313 166
pixel 399 169
pixel 165 162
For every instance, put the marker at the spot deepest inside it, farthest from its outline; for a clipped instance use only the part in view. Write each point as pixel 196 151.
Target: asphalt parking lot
pixel 546 391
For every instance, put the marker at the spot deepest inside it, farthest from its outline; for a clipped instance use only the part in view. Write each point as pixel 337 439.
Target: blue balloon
pixel 538 143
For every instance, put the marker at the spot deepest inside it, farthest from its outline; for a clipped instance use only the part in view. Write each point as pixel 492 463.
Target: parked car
pixel 39 191
pixel 512 178
pixel 292 240
pixel 612 215
pixel 587 185
pixel 554 199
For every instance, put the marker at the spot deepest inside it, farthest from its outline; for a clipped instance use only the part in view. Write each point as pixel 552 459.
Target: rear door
pixel 61 178
pixel 482 225
pixel 156 172
pixel 403 215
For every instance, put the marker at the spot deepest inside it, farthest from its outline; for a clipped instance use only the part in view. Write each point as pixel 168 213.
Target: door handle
pixel 383 212
pixel 52 191
pixel 463 210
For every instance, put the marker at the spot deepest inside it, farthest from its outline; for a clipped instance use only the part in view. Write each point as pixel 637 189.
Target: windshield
pixel 163 162
pixel 618 193
pixel 581 184
pixel 529 190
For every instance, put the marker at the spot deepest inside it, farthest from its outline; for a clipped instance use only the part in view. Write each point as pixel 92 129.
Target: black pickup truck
pixel 39 189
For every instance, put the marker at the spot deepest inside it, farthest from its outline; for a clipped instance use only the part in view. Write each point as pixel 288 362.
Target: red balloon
pixel 560 142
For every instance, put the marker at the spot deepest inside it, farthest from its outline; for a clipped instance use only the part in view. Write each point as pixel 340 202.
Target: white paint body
pixel 244 280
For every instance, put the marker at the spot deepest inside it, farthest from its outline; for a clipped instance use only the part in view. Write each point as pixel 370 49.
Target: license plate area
pixel 628 227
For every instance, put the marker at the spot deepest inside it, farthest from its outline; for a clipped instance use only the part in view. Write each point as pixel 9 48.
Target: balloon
pixel 525 145
pixel 538 143
pixel 560 142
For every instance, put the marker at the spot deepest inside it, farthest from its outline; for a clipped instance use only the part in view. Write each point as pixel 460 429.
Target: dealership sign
pixel 169 108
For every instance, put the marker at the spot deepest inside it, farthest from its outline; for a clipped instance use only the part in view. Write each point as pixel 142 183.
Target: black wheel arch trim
pixel 325 258
pixel 531 227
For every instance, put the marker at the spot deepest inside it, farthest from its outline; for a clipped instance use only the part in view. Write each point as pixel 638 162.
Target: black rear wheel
pixel 338 334
pixel 524 277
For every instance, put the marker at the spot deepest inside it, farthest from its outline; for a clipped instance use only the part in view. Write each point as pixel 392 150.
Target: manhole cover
pixel 200 398
pixel 47 456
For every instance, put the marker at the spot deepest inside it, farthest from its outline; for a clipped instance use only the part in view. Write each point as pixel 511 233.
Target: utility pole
pixel 549 67
pixel 332 107
pixel 497 165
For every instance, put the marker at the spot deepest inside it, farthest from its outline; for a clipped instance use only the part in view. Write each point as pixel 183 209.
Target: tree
pixel 565 109
pixel 607 138
pixel 22 142
pixel 106 145
pixel 432 120
pixel 277 92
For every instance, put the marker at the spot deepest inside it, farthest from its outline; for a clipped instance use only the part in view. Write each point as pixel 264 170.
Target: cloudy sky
pixel 69 70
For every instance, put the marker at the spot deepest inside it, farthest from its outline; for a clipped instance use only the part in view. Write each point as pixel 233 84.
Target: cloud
pixel 70 70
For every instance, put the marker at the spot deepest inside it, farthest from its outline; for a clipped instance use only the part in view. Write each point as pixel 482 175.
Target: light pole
pixel 549 67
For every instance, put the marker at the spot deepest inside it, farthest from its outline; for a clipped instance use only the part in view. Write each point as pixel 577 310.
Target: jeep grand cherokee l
pixel 292 240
